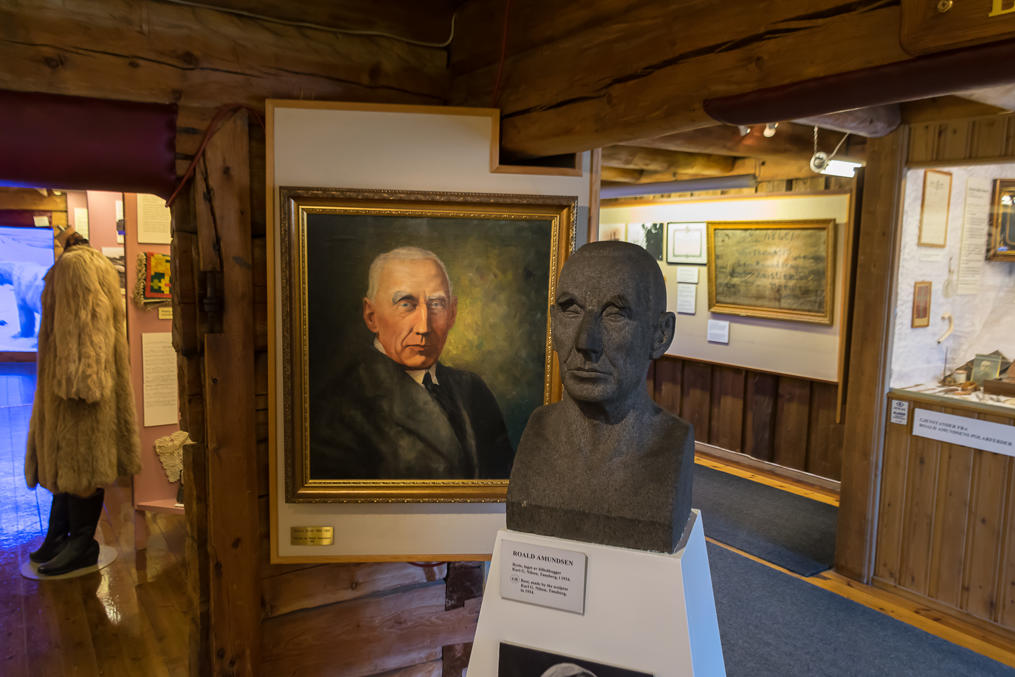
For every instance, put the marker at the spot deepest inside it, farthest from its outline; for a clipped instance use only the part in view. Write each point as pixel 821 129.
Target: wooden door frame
pixel 870 345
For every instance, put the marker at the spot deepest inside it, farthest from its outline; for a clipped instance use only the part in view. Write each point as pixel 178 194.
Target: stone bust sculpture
pixel 606 464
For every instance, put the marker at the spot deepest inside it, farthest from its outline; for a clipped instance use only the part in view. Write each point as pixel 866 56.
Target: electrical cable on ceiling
pixel 305 24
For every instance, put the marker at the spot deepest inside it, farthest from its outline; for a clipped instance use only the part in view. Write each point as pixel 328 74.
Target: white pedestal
pixel 644 611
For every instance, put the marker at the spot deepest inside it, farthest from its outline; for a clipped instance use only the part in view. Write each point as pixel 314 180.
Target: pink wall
pixel 150 485
pixel 101 217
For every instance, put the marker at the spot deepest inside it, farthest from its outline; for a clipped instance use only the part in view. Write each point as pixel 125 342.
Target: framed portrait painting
pixel 415 339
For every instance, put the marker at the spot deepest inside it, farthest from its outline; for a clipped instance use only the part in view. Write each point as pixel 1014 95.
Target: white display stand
pixel 644 611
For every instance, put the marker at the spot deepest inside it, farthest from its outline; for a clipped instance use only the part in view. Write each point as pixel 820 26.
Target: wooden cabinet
pixel 946 525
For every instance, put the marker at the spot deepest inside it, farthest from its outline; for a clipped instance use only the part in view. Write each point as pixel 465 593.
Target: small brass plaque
pixel 312 535
pixel 165 312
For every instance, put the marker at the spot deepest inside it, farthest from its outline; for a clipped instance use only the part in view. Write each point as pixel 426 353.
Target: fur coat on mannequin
pixel 83 432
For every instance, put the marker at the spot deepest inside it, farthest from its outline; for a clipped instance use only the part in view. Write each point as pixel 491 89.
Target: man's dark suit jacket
pixel 375 422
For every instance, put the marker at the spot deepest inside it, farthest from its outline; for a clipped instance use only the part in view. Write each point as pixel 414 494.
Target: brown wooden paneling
pixel 696 398
pixel 948 546
pixel 727 418
pixel 759 415
pixel 988 137
pixel 918 518
pixel 1006 578
pixel 667 384
pixel 893 502
pixel 793 416
pixel 923 142
pixel 824 446
pixel 984 536
pixel 953 141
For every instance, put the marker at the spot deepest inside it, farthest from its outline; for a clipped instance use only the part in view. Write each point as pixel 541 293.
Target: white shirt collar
pixel 415 374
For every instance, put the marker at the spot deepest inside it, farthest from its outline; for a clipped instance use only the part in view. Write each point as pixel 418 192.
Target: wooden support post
pixel 868 362
pixel 222 199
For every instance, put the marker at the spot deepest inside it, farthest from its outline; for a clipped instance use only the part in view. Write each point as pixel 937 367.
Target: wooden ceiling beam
pixel 168 53
pixel 658 160
pixel 646 76
pixel 791 141
pixel 421 20
pixel 940 108
pixel 621 174
pixel 871 122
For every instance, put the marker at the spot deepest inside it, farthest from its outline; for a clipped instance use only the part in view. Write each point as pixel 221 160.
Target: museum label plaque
pixel 543 576
pixel 312 535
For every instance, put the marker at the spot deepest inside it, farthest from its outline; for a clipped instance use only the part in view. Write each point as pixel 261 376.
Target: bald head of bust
pixel 609 321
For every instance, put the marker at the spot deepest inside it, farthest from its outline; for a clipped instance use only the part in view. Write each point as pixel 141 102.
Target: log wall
pixel 780 419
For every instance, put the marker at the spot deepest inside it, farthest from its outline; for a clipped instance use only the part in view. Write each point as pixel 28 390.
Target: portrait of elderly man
pixel 396 411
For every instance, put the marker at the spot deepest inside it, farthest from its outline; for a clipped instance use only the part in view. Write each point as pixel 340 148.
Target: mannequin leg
pixel 56 534
pixel 82 550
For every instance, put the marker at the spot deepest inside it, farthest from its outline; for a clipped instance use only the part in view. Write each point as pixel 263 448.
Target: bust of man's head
pixel 409 306
pixel 609 322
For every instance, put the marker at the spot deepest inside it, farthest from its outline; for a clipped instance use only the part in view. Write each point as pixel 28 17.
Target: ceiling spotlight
pixel 770 129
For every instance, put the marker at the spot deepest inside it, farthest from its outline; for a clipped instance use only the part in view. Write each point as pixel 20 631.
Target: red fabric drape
pixel 55 141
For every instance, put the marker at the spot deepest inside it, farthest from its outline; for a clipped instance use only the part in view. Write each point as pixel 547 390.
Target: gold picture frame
pixel 782 270
pixel 502 254
pixel 921 304
pixel 1001 233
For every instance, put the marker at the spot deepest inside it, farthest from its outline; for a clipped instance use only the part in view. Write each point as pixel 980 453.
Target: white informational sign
pixel 718 331
pixel 687 294
pixel 543 576
pixel 900 412
pixel 81 220
pixel 687 274
pixel 165 313
pixel 158 368
pixel 153 220
pixel 41 221
pixel 967 432
pixel 974 233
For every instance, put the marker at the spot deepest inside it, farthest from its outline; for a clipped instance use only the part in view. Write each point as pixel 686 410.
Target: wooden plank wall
pixel 981 139
pixel 780 419
pixel 946 528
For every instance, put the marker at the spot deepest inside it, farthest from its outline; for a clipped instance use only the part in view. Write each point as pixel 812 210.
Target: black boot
pixel 56 535
pixel 82 550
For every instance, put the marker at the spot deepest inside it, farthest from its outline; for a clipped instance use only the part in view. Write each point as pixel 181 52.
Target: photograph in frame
pixel 782 270
pixel 686 243
pixel 921 304
pixel 415 339
pixel 519 661
pixel 1001 230
pixel 648 236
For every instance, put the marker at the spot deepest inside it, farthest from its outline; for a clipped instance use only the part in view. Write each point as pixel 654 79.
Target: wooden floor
pixel 130 618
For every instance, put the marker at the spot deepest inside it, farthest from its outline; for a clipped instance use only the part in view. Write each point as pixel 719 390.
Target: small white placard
pixel 543 576
pixel 686 296
pixel 718 331
pixel 900 412
pixel 967 432
pixel 41 221
pixel 165 312
pixel 112 252
pixel 81 220
pixel 687 274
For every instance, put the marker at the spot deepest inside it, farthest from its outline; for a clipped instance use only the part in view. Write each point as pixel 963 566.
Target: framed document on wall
pixel 777 269
pixel 937 198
